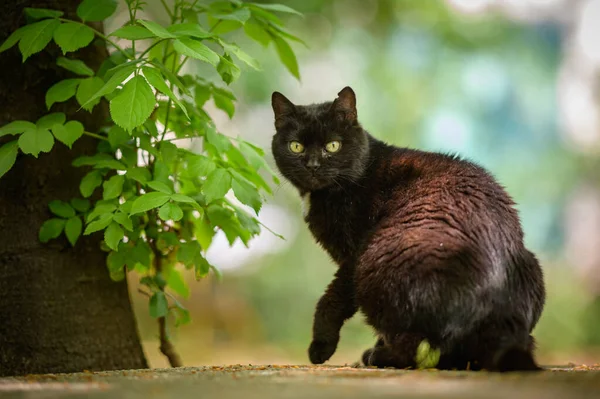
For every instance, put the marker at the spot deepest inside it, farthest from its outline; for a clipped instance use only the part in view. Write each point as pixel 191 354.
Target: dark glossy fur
pixel 428 245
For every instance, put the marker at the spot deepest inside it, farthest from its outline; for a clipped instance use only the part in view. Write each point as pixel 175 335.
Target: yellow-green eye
pixel 333 146
pixel 296 147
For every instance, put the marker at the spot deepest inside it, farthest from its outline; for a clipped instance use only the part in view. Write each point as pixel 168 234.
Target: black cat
pixel 429 246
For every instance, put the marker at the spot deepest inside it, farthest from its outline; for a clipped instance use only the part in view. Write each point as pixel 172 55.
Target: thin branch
pixel 181 65
pixel 151 47
pixel 166 346
pixel 164 3
pixel 97 136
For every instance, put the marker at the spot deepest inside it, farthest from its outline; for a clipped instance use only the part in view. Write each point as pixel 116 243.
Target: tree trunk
pixel 59 310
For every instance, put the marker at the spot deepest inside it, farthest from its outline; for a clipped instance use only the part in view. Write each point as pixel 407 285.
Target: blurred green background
pixel 512 85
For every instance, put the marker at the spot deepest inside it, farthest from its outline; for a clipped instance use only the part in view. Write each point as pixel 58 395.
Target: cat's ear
pixel 282 107
pixel 345 105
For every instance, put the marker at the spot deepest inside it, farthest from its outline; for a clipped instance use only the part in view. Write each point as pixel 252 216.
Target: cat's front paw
pixel 320 351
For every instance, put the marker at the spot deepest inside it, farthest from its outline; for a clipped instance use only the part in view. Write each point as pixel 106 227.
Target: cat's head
pixel 320 145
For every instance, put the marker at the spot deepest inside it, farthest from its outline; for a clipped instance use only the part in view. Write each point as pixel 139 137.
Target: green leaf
pixel 187 252
pixel 35 141
pixel 239 53
pixel 257 33
pixel 113 82
pixel 253 154
pixel 115 262
pixel 48 121
pixel 101 223
pixel 223 102
pixel 16 127
pixel 199 165
pixel 220 141
pixel 113 187
pixel 41 13
pixel 96 10
pixel 277 7
pixel 141 175
pixel 170 211
pixel 123 219
pixel 76 66
pixel 133 32
pixel 89 183
pixel 225 26
pixel 113 236
pixel 157 29
pixel 80 205
pixel 149 201
pixel 51 229
pixel 73 229
pixel 133 105
pixel 37 36
pixel 72 36
pixel 217 184
pixel 8 156
pixel 182 316
pixel 201 95
pixel 239 15
pixel 287 56
pixel 177 283
pixel 160 186
pixel 14 38
pixel 227 69
pixel 156 79
pixel 68 133
pixel 246 193
pixel 101 208
pixel 204 232
pixel 183 198
pixel 196 49
pixel 117 136
pixel 87 88
pixel 61 91
pixel 201 267
pixel 62 209
pixel 99 161
pixel 189 29
pixel 159 307
pixel 171 77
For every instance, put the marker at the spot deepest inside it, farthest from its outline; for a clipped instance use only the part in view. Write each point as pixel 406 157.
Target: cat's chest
pixel 334 221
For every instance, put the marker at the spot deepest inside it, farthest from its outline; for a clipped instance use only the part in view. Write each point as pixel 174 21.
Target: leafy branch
pixel 157 205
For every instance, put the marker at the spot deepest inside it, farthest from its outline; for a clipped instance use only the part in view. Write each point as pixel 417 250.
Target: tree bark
pixel 59 310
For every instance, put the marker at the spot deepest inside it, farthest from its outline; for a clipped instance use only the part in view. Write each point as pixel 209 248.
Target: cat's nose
pixel 313 165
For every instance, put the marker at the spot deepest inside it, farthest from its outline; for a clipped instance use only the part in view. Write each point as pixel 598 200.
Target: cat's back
pixel 441 196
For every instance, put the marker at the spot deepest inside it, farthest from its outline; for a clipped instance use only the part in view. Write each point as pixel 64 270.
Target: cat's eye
pixel 296 147
pixel 333 146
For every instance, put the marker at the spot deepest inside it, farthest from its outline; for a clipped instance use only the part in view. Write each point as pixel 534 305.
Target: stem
pixel 167 9
pixel 101 35
pixel 99 137
pixel 166 346
pixel 180 66
pixel 150 48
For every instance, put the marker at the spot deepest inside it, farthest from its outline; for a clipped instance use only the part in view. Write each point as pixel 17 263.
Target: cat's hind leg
pixel 367 353
pixel 501 347
pixel 406 350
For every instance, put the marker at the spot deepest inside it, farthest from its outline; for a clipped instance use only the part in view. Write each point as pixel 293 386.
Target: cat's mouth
pixel 316 182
